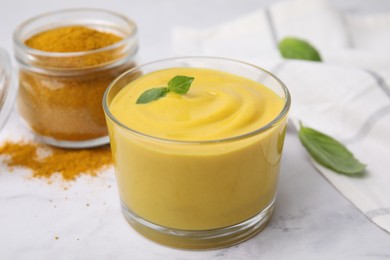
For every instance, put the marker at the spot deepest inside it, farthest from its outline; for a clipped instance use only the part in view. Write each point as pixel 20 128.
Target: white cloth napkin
pixel 347 96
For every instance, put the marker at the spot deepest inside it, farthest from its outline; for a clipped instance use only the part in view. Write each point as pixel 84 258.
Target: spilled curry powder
pixel 60 94
pixel 45 161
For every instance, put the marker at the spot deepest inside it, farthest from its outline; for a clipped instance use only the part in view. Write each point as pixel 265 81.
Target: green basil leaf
pixel 180 84
pixel 294 48
pixel 329 152
pixel 152 94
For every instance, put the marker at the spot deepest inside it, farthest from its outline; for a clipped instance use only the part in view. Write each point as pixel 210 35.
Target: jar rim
pixel 21 45
pixel 283 113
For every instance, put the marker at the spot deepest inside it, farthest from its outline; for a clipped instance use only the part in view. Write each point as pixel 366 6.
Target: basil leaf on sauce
pixel 294 48
pixel 152 94
pixel 330 153
pixel 180 84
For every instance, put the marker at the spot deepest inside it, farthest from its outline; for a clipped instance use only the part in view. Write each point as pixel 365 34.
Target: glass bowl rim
pixel 257 131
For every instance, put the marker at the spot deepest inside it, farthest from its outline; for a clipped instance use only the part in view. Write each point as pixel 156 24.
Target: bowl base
pixel 73 144
pixel 199 239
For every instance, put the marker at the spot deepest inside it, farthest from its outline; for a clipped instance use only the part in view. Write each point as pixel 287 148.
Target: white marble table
pixel 45 221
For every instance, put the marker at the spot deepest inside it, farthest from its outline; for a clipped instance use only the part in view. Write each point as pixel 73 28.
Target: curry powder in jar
pixel 67 59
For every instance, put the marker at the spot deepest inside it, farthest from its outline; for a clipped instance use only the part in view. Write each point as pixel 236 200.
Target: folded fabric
pixel 351 104
pixel 344 39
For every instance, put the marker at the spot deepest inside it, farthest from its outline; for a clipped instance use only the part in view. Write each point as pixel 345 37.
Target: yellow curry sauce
pixel 191 185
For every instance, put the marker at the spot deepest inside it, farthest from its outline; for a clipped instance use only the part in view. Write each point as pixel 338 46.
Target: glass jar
pixel 60 93
pixel 198 194
pixel 8 90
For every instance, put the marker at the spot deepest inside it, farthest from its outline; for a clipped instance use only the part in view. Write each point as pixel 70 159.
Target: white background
pixel 312 220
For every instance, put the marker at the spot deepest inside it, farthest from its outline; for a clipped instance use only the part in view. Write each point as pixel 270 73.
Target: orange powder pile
pixel 71 39
pixel 45 161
